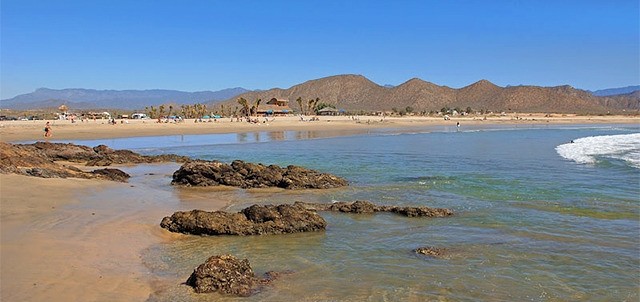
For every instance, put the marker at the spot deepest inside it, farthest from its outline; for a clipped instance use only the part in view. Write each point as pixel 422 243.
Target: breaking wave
pixel 589 150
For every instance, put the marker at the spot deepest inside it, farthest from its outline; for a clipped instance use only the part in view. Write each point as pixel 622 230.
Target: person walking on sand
pixel 47 130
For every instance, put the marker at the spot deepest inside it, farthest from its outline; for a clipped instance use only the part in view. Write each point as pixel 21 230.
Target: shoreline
pixel 17 131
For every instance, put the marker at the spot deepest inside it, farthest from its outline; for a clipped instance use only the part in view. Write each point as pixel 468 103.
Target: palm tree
pixel 152 112
pixel 203 110
pixel 299 101
pixel 245 105
pixel 310 106
pixel 257 104
pixel 160 111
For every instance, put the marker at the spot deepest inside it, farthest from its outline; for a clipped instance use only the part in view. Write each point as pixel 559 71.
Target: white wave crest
pixel 587 150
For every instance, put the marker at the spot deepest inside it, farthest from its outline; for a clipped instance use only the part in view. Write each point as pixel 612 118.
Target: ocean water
pixel 537 217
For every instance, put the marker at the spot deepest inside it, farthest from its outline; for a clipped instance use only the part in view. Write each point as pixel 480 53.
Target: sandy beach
pixel 57 241
pixel 13 131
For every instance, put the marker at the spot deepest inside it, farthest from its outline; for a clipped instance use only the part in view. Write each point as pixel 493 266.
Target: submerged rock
pixel 362 206
pixel 226 274
pixel 39 159
pixel 431 251
pixel 254 220
pixel 248 175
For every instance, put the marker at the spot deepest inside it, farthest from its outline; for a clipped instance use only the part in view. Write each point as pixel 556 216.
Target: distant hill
pixel 121 99
pixel 616 91
pixel 356 93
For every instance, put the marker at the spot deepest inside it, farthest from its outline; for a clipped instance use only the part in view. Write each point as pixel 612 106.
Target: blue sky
pixel 212 45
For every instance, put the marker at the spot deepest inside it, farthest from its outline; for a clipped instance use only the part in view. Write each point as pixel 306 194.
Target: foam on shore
pixel 588 150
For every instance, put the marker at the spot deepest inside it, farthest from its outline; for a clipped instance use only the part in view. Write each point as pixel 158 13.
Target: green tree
pixel 409 109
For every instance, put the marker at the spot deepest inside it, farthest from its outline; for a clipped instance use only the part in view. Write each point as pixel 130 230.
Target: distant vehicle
pixel 139 116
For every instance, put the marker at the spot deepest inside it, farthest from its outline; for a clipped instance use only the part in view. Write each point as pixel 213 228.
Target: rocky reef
pixel 248 175
pixel 226 274
pixel 40 160
pixel 254 220
pixel 367 207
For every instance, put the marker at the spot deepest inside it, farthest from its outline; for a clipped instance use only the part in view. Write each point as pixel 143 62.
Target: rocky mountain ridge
pixel 356 93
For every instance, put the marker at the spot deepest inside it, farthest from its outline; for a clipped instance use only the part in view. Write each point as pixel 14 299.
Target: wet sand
pixel 12 131
pixel 54 252
pixel 82 240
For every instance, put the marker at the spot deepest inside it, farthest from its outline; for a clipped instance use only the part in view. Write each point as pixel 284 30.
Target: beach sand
pixel 51 252
pixel 82 240
pixel 13 131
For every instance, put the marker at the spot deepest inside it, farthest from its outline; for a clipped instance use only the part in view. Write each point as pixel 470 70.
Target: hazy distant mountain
pixel 628 101
pixel 616 91
pixel 357 93
pixel 121 99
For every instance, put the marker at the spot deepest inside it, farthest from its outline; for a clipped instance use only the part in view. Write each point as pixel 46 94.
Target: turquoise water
pixel 530 224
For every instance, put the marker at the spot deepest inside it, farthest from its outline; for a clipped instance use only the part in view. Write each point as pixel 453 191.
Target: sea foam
pixel 588 150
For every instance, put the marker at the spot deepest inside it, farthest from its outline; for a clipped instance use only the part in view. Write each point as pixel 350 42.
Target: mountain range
pixel 356 93
pixel 120 99
pixel 616 91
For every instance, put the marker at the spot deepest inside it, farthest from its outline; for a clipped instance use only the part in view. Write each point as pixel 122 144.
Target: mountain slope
pixel 123 99
pixel 356 93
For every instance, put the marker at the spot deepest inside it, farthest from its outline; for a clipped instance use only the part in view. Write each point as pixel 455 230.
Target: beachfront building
pixel 275 107
pixel 328 111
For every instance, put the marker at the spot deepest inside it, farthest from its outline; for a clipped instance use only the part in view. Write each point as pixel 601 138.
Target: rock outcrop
pixel 362 206
pixel 254 220
pixel 226 274
pixel 248 175
pixel 100 155
pixel 40 160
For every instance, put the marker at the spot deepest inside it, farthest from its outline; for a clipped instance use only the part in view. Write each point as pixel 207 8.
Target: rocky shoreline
pixel 41 160
pixel 224 274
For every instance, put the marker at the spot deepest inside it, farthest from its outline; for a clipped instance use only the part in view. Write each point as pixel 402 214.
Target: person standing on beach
pixel 47 130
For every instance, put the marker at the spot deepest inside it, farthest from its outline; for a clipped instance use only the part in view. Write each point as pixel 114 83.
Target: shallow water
pixel 530 224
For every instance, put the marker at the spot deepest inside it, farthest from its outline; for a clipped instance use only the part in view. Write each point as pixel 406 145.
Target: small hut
pixel 328 111
pixel 275 107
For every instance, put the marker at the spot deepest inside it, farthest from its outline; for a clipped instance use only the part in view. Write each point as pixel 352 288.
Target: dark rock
pixel 112 174
pixel 254 220
pixel 431 251
pixel 224 274
pixel 248 175
pixel 39 159
pixel 362 206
